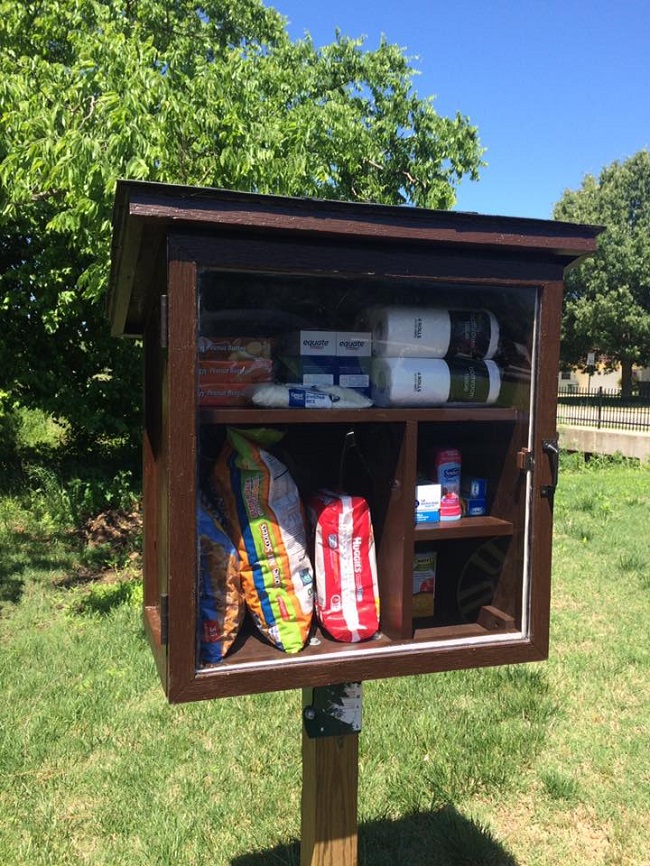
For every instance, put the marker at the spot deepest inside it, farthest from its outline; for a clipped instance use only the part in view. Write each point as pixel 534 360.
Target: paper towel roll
pixel 431 332
pixel 434 381
pixel 409 381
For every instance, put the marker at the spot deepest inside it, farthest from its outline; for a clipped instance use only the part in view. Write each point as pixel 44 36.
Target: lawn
pixel 535 765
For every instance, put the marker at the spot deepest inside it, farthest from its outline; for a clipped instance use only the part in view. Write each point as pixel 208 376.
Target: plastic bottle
pixel 447 465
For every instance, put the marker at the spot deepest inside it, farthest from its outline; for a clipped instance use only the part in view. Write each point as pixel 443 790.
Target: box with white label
pixel 424 582
pixel 353 344
pixel 308 370
pixel 427 503
pixel 316 343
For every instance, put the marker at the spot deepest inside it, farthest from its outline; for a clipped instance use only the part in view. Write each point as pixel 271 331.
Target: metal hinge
pixel 164 619
pixel 163 321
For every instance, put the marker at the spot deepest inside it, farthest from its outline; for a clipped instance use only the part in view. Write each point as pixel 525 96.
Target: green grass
pixel 535 765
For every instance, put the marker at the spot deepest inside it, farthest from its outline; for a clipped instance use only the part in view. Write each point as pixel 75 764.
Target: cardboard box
pixel 353 344
pixel 424 582
pixel 313 344
pixel 473 507
pixel 308 370
pixel 235 348
pixel 473 493
pixel 257 370
pixel 427 503
pixel 473 488
pixel 225 394
pixel 328 370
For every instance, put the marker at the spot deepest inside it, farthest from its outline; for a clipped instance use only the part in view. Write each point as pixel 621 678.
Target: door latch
pixel 552 448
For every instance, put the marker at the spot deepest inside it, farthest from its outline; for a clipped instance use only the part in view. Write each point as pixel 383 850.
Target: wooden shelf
pixel 466 527
pixel 225 415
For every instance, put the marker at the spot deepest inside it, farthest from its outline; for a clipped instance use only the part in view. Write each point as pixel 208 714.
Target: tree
pixel 210 93
pixel 607 299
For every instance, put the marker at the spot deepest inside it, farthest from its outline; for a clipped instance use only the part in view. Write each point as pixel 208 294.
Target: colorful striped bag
pixel 267 525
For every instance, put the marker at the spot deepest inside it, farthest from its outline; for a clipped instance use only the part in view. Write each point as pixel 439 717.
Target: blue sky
pixel 557 88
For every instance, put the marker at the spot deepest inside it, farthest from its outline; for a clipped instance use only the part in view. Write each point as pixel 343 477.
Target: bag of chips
pixel 221 608
pixel 267 525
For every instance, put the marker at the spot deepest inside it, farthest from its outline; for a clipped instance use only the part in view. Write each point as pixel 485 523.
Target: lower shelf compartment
pixel 251 648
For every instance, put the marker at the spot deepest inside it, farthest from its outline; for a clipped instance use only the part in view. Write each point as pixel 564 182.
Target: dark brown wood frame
pixel 162 237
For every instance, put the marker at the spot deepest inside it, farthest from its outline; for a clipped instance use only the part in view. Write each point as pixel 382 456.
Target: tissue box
pixel 311 344
pixel 353 344
pixel 427 503
pixel 346 372
pixel 307 370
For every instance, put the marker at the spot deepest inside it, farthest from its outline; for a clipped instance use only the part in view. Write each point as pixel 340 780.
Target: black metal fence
pixel 603 408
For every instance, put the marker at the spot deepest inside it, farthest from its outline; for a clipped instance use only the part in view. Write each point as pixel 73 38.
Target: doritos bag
pixel 267 525
pixel 221 605
pixel 347 595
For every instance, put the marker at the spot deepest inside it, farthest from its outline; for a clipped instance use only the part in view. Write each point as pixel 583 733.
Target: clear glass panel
pixel 367 352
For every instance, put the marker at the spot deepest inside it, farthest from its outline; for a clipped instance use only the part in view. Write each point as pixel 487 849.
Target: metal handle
pixel 552 448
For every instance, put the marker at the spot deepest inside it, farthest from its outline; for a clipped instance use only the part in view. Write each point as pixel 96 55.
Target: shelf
pixel 466 527
pixel 226 415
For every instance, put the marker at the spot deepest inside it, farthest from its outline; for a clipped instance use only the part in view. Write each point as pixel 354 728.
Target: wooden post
pixel 330 769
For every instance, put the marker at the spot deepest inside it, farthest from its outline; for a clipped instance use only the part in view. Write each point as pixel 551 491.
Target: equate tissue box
pixel 353 344
pixel 311 343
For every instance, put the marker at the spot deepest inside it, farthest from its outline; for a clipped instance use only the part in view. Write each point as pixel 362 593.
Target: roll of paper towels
pixel 431 332
pixel 434 381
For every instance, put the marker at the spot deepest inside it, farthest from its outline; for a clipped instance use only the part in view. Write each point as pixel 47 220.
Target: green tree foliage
pixel 607 301
pixel 211 93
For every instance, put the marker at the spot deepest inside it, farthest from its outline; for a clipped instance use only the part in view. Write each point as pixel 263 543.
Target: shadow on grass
pixel 440 838
pixel 101 599
pixel 20 553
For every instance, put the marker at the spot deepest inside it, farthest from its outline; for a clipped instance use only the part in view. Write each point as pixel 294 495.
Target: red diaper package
pixel 347 596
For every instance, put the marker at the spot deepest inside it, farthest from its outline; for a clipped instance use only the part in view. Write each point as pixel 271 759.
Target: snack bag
pixel 347 595
pixel 221 608
pixel 267 525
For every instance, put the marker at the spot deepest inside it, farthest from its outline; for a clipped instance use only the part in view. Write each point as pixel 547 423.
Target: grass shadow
pixel 101 599
pixel 21 553
pixel 443 837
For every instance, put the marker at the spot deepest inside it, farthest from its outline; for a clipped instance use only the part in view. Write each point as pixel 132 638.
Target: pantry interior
pixel 193 267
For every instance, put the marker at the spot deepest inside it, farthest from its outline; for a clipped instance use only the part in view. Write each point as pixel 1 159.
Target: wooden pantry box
pixel 194 268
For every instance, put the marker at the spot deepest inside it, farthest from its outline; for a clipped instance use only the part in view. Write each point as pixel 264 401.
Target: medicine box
pixel 427 503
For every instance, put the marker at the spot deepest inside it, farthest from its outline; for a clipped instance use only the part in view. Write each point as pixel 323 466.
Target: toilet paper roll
pixel 434 381
pixel 409 381
pixel 432 332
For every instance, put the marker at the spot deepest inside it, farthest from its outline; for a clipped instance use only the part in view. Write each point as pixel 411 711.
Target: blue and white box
pixel 427 503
